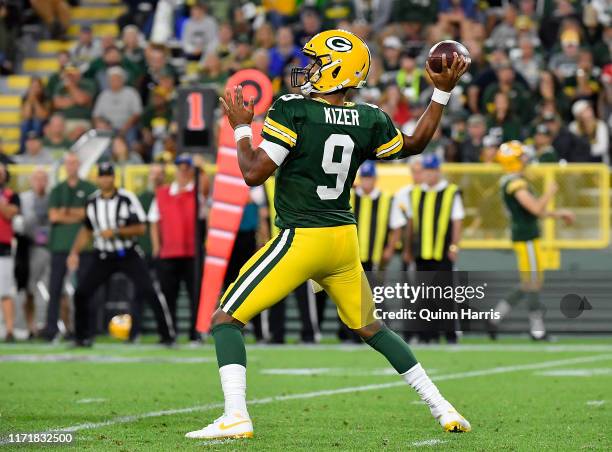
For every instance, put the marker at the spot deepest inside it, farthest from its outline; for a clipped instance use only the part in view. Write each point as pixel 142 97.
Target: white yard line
pixel 327 392
pixel 595 402
pixel 428 442
pixel 94 400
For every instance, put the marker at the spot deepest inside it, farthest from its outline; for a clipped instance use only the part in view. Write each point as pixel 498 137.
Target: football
pixel 445 47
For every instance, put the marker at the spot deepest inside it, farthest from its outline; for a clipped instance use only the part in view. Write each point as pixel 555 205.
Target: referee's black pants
pixel 135 268
pixel 439 274
pixel 170 273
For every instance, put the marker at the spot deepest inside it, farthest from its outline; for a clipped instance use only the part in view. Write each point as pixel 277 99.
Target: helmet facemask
pixel 304 78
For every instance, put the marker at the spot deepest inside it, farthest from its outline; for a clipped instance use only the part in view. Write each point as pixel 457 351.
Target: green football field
pixel 518 395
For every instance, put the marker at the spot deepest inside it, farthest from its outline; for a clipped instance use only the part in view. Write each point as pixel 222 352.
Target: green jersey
pixel 319 148
pixel 65 196
pixel 524 224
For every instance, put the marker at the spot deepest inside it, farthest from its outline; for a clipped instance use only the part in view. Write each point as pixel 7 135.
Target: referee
pixel 114 218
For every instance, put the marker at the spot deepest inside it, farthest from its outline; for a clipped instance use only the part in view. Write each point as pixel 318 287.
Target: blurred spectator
pixel 518 95
pixel 569 146
pixel 527 62
pixel 55 79
pixel 55 141
pixel 471 149
pixel 584 83
pixel 490 144
pixel 224 47
pixel 261 60
pixel 112 58
pixel 131 48
pixel 335 12
pixel 8 37
pixel 4 158
pixel 35 108
pixel 501 121
pixel 392 50
pixel 242 57
pixel 414 15
pixel 395 105
pixel 549 92
pixel 120 104
pixel 173 219
pixel 157 66
pixel 156 119
pixel 565 63
pixel 156 178
pixel 285 52
pixel 265 36
pixel 86 49
pixel 279 12
pixel 542 141
pixel 374 14
pixel 411 79
pixel 55 14
pixel 34 153
pixel 199 32
pixel 73 97
pixel 9 207
pixel 594 130
pixel 593 33
pixel 121 154
pixel 310 25
pixel 505 34
pixel 35 212
pixel 66 213
pixel 213 73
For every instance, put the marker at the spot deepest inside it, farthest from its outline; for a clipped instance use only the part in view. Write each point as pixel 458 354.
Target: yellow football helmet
pixel 341 59
pixel 511 156
pixel 119 326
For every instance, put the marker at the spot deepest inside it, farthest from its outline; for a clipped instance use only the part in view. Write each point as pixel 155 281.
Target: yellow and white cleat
pixel 235 425
pixel 452 421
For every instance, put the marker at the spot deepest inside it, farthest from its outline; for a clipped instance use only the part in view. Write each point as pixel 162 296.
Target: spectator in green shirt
pixel 55 141
pixel 66 213
pixel 518 94
pixel 542 141
pixel 73 97
pixel 502 122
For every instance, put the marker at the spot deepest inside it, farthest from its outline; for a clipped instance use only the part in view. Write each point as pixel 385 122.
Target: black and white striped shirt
pixel 122 209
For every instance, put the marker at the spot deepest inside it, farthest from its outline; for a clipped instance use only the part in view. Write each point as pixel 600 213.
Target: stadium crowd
pixel 541 73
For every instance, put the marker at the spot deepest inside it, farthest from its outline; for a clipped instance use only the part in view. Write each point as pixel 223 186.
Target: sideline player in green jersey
pixel 315 143
pixel 525 210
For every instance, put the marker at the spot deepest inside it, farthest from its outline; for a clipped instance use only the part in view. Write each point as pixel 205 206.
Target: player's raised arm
pixel 443 82
pixel 255 164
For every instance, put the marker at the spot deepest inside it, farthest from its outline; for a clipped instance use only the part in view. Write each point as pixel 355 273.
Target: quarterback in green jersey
pixel 315 143
pixel 525 210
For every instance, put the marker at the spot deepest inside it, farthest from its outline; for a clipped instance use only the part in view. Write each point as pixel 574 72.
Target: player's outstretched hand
pixel 567 216
pixel 237 112
pixel 448 78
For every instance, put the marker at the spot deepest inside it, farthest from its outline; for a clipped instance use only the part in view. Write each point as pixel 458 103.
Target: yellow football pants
pixel 329 256
pixel 529 260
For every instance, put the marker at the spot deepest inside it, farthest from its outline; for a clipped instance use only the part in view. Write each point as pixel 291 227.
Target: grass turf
pixel 120 396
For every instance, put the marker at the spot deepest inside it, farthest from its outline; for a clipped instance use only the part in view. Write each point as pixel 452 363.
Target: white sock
pixel 233 382
pixel 536 324
pixel 426 389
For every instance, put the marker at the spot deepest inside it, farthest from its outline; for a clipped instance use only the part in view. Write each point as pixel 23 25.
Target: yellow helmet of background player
pixel 511 156
pixel 341 59
pixel 119 326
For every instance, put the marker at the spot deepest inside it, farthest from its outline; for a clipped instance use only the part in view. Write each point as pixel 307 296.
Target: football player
pixel 525 209
pixel 315 142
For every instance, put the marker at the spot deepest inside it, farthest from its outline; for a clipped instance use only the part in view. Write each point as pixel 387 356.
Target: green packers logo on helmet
pixel 339 44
